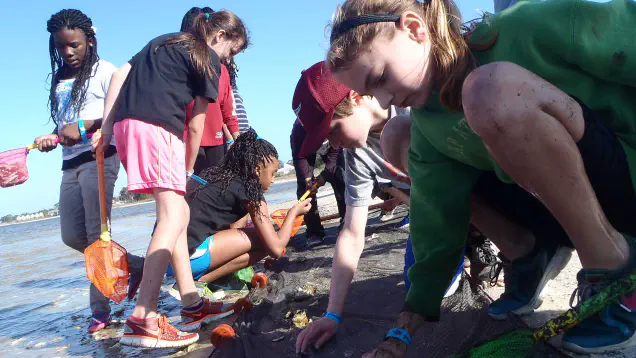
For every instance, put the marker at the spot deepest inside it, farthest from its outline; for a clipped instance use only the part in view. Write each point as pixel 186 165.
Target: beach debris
pixel 41 344
pixel 190 348
pixel 300 319
pixel 278 339
pixel 309 288
pixel 22 339
pixel 287 316
pixel 373 237
pixel 302 293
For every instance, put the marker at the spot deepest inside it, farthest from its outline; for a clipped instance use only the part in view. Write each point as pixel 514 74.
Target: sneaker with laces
pixel 525 278
pixel 482 257
pixel 99 321
pixel 191 320
pixel 614 327
pixel 141 333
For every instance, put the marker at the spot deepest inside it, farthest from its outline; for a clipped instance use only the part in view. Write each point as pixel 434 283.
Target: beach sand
pixel 375 298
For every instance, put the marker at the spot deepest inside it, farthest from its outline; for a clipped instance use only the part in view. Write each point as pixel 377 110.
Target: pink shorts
pixel 152 156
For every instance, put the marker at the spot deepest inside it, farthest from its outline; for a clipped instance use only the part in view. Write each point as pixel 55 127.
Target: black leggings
pixel 208 157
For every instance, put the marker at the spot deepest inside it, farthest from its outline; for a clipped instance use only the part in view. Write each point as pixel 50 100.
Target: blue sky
pixel 287 37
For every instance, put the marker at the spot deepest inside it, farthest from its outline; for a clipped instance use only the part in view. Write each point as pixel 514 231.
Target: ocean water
pixel 44 290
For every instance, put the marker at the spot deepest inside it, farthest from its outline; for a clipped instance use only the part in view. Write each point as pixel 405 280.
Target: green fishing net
pixel 518 344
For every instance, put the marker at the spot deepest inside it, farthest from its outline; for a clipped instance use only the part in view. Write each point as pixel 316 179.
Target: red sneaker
pixel 210 311
pixel 164 336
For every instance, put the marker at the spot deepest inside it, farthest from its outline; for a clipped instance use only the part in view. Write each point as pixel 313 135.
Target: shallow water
pixel 44 297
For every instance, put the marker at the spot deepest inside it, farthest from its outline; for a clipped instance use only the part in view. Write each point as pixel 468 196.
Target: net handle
pixel 101 185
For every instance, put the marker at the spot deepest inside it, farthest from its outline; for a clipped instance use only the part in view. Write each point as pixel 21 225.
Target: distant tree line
pixel 128 197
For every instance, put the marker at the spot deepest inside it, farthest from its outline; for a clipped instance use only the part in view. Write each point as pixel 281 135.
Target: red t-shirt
pixel 219 112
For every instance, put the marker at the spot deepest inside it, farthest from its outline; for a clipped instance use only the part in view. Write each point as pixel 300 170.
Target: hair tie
pixel 207 15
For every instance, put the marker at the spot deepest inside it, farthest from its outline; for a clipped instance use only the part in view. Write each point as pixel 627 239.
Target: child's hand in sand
pixel 319 331
pixel 303 207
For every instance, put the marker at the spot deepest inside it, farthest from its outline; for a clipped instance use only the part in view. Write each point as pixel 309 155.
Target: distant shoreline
pixel 29 221
pixel 57 216
pixel 284 180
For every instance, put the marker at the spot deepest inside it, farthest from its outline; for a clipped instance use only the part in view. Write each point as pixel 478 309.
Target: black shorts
pixel 606 166
pixel 208 157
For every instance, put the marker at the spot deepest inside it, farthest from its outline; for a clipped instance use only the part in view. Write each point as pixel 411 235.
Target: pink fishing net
pixel 13 169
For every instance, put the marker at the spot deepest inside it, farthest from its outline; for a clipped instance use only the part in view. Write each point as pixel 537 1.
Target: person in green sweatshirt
pixel 540 95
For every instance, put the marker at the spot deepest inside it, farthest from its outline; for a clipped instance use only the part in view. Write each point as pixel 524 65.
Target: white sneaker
pixel 387 215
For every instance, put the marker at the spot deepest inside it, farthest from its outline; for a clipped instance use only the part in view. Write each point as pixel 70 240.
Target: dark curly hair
pixel 240 162
pixel 71 19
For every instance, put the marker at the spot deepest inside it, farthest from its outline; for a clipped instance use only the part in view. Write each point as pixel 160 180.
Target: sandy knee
pixel 498 97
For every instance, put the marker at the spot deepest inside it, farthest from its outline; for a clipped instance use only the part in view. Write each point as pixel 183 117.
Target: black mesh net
pixel 374 300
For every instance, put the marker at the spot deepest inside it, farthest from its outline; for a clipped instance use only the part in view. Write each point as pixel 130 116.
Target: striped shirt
pixel 244 125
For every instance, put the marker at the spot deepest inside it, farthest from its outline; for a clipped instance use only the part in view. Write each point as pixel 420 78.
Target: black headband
pixel 353 22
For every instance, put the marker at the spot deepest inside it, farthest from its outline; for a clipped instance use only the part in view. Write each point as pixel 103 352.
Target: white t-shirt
pixel 366 169
pixel 92 108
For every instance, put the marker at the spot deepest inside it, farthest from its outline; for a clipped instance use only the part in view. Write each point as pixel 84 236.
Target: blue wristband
pixel 400 334
pixel 229 141
pixel 82 130
pixel 333 316
pixel 196 177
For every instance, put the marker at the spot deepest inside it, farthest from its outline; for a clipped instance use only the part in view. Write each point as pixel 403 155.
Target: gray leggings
pixel 79 215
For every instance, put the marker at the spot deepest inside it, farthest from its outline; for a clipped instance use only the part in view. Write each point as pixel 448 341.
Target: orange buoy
pixel 222 334
pixel 259 280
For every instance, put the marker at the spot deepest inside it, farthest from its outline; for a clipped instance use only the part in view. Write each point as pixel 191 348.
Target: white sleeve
pixel 105 72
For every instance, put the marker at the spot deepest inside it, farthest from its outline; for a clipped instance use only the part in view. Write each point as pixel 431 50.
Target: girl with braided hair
pixel 79 82
pixel 234 190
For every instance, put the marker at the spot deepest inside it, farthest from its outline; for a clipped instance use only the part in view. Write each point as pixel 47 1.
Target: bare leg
pixel 531 128
pixel 234 265
pixel 171 222
pixel 511 239
pixel 182 270
pixel 233 250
